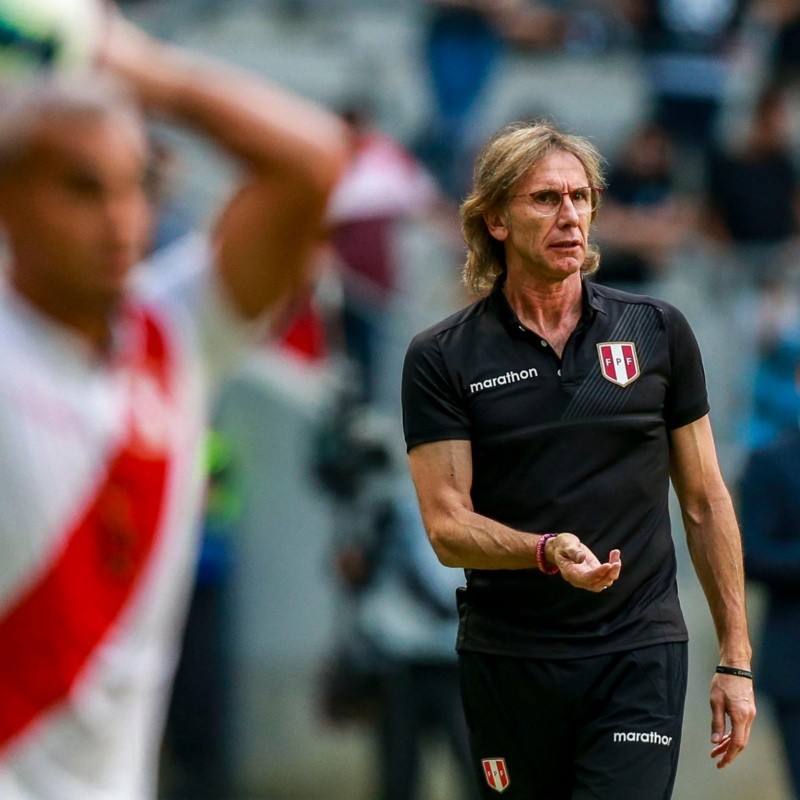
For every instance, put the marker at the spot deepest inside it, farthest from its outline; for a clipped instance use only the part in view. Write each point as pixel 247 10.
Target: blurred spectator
pixel 770 515
pixel 197 732
pixel 686 46
pixel 786 54
pixel 382 186
pixel 463 47
pixel 776 404
pixel 642 219
pixel 396 660
pixel 754 193
pixel 173 220
pixel 783 16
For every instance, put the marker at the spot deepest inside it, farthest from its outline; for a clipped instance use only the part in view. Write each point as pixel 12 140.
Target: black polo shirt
pixel 578 443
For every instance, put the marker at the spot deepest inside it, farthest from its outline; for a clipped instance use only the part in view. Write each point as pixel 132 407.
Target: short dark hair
pixel 23 104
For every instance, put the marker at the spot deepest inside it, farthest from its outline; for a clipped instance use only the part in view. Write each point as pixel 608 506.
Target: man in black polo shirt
pixel 543 424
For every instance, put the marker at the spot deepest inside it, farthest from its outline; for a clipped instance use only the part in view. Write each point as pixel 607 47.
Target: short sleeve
pixel 183 282
pixel 432 409
pixel 687 397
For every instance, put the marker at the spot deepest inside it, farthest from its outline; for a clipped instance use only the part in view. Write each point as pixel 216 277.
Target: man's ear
pixel 497 225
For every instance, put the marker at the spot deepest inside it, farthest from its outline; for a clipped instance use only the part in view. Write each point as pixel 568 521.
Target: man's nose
pixel 567 215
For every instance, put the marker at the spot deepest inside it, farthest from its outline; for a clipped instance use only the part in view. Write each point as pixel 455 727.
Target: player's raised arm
pixel 290 151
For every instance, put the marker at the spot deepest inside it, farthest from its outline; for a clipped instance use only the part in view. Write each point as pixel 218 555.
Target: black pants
pixel 421 699
pixel 600 728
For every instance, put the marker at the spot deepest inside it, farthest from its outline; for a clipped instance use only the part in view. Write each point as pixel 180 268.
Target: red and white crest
pixel 618 362
pixel 496 773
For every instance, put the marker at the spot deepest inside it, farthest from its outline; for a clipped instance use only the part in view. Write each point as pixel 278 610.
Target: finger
pixel 604 581
pixel 583 577
pixel 570 550
pixel 605 575
pixel 616 568
pixel 722 746
pixel 731 752
pixel 739 736
pixel 575 555
pixel 717 721
pixel 596 579
pixel 615 556
pixel 586 572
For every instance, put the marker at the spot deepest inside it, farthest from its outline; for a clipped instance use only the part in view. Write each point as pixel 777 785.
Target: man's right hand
pixel 579 566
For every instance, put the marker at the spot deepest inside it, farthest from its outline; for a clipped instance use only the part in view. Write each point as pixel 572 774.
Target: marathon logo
pixel 503 380
pixel 648 738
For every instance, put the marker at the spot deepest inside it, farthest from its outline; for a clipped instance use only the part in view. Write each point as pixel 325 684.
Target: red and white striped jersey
pixel 101 482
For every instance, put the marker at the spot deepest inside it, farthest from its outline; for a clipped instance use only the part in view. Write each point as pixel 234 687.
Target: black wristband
pixel 740 673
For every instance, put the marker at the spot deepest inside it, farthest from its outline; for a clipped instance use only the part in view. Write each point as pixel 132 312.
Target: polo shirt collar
pixel 593 302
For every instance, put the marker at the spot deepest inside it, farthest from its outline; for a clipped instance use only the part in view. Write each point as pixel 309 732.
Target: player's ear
pixel 496 223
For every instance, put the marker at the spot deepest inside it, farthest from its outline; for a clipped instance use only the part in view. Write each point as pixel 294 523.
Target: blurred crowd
pixel 703 170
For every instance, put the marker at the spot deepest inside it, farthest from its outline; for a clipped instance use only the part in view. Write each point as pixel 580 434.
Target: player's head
pixel 509 156
pixel 73 207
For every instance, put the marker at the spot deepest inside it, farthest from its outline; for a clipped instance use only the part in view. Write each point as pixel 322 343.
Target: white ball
pixel 38 35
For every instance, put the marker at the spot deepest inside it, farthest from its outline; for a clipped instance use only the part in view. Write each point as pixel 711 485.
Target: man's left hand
pixel 732 697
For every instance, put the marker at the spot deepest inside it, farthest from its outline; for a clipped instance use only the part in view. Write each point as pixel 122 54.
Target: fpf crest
pixel 496 773
pixel 618 362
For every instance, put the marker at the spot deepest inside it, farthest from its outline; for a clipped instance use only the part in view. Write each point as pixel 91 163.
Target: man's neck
pixel 545 306
pixel 92 326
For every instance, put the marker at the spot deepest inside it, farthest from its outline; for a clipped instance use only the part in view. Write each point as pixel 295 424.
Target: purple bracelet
pixel 541 561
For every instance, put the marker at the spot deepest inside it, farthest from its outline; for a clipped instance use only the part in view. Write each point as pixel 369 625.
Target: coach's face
pixel 75 212
pixel 547 248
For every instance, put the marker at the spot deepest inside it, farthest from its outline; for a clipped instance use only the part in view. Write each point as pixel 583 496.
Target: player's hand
pixel 732 698
pixel 579 566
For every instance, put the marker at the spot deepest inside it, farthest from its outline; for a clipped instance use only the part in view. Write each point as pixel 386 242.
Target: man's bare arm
pixel 715 547
pixel 442 473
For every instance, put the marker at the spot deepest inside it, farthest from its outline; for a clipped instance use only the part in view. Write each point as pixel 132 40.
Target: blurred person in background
pixel 753 215
pixel 464 44
pixel 543 425
pixel 769 501
pixel 753 194
pixel 687 49
pixel 172 220
pixel 644 219
pixel 775 402
pixel 395 667
pixel 198 730
pixel 383 186
pixel 783 19
pixel 107 382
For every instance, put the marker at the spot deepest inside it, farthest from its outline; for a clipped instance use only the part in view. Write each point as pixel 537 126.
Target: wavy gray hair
pixel 505 160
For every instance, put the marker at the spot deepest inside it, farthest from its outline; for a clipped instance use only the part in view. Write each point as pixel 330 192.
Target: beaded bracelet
pixel 541 561
pixel 740 673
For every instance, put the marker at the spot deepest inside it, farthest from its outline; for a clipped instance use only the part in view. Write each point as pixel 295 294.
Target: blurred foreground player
pixel 543 424
pixel 104 388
